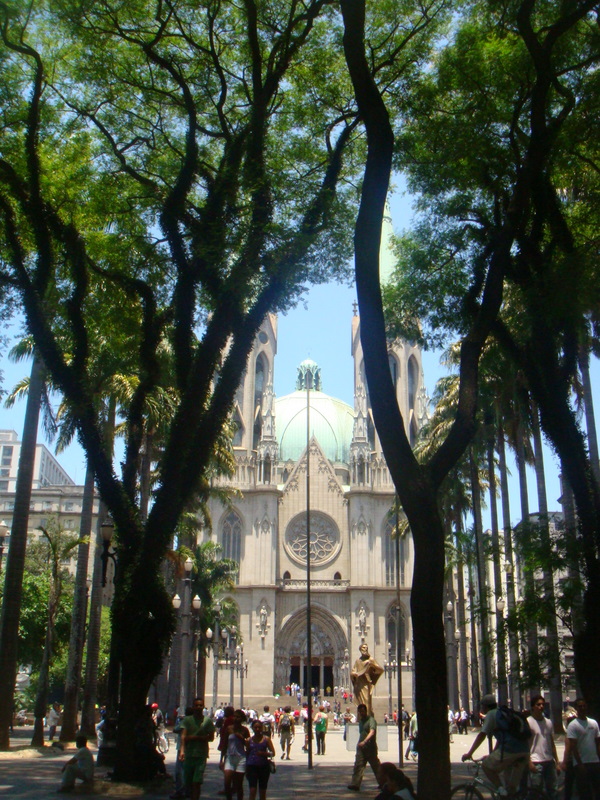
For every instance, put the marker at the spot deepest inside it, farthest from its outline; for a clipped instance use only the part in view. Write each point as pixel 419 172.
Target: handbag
pixel 272 766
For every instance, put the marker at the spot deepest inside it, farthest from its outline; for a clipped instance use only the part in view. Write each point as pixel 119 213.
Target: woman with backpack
pixel 320 730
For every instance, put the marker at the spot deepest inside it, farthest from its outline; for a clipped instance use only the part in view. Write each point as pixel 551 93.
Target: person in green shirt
pixel 366 749
pixel 197 732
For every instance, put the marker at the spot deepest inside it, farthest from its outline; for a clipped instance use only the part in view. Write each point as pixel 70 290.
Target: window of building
pixel 393 369
pixel 3 486
pixel 4 473
pixel 413 382
pixel 231 538
pixel 389 555
pixel 396 624
pixel 68 506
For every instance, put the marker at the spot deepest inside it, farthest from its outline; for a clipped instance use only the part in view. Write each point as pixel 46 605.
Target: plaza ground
pixel 35 773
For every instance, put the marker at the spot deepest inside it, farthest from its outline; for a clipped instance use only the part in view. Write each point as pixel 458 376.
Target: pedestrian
pixel 268 721
pixel 258 763
pixel 53 721
pixel 286 730
pixel 234 767
pixel 180 714
pixel 198 731
pixel 543 760
pixel 320 730
pixel 366 749
pixel 80 766
pixel 583 746
pixel 413 737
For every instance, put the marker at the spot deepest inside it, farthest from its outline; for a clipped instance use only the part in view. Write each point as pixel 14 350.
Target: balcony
pixel 293 585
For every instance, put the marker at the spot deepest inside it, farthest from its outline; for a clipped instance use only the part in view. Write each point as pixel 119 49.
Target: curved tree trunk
pixel 76 642
pixel 15 562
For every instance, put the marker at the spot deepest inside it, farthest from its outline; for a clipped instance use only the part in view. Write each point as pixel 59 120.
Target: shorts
pixel 285 736
pixel 258 776
pixel 193 769
pixel 235 763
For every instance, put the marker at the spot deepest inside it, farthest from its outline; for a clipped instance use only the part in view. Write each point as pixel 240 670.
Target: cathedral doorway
pixel 328 643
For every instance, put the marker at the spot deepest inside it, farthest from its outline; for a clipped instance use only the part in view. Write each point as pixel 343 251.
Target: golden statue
pixel 365 674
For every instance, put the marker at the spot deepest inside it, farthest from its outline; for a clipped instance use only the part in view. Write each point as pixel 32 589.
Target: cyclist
pixel 511 754
pixel 160 738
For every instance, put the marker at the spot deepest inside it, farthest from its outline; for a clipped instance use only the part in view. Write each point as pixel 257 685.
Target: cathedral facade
pixel 328 470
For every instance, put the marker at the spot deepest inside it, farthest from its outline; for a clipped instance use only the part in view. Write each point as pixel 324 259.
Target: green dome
pixel 331 423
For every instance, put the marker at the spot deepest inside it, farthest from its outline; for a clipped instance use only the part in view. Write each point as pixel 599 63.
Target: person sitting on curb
pixel 80 766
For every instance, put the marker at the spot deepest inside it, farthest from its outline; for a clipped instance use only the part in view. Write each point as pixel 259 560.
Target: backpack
pixel 510 724
pixel 285 723
pixel 266 726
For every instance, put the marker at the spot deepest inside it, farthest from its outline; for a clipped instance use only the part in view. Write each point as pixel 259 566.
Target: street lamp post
pixel 214 638
pixel 188 607
pixel 241 669
pixel 389 667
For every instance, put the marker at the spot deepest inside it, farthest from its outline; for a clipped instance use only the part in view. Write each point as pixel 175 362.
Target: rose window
pixel 324 540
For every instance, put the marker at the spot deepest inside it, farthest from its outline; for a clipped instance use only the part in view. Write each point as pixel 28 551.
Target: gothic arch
pixel 390 629
pixel 413 382
pixel 328 642
pixel 231 535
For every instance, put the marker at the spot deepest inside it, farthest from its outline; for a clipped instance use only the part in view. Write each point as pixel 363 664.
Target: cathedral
pixel 330 470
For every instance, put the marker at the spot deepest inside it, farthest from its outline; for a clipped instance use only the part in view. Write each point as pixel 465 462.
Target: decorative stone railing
pixel 322 585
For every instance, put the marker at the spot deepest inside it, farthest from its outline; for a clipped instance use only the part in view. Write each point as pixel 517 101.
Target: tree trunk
pixel 552 645
pixel 513 639
pixel 533 662
pixel 588 405
pixel 92 656
pixel 41 698
pixel 498 590
pixel 475 682
pixel 15 562
pixel 68 728
pixel 483 606
pixel 461 625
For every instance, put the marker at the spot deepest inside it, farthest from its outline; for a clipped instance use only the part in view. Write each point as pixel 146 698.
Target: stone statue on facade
pixel 365 674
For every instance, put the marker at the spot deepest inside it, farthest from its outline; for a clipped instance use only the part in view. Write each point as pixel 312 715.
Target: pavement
pixel 35 772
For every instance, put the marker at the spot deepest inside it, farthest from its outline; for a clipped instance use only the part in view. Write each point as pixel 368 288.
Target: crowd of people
pixel 524 748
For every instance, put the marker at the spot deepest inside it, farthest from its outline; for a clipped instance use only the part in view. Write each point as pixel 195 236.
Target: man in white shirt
pixel 543 760
pixel 80 766
pixel 583 744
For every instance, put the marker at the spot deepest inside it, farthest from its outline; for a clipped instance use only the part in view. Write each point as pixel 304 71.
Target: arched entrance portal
pixel 328 643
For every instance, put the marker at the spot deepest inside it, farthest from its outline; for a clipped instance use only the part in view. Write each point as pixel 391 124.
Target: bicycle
pixel 475 788
pixel 162 742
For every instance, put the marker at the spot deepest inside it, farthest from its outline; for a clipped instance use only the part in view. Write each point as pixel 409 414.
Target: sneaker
pixel 283 755
pixel 353 788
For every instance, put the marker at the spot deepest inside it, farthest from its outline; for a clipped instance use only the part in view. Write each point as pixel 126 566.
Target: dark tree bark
pixel 15 562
